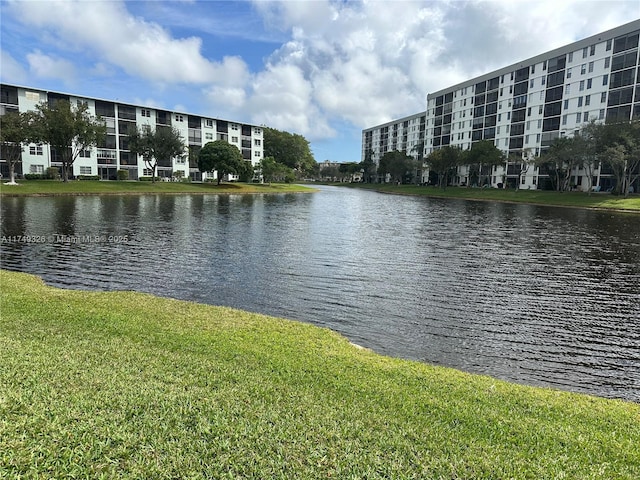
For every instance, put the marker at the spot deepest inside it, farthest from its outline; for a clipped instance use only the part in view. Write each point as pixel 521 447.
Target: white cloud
pixel 341 63
pixel 139 48
pixel 11 71
pixel 45 66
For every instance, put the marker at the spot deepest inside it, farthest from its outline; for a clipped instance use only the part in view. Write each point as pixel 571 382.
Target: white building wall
pixel 37 158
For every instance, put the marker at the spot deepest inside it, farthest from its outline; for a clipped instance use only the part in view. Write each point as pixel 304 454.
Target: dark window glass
pixel 439 100
pixel 194 122
pixel 521 88
pixel 491 108
pixel 549 124
pixel 522 74
pixel 481 87
pixel 517 129
pixel 618 114
pixel 126 112
pixel 557 63
pixel 626 60
pixel 493 83
pixel 446 119
pixel 479 99
pixel 554 79
pixel 620 97
pixel 476 135
pixel 518 115
pixel 552 109
pixel 438 111
pixel 222 126
pixel 9 95
pixel 625 42
pixel 553 94
pixel 623 78
pixel 478 112
pixel 492 96
pixel 448 98
pixel 489 133
pixel 516 143
pixel 490 121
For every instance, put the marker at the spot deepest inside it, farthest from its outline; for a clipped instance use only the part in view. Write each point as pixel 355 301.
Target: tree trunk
pixel 12 173
pixel 65 176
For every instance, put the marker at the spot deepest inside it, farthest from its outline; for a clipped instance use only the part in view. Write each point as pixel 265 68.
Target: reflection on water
pixel 537 295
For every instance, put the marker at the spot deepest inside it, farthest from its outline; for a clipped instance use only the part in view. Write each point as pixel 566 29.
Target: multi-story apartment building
pixel 525 106
pixel 405 135
pixel 121 119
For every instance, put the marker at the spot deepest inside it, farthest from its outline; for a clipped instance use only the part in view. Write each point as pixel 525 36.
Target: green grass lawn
pixel 92 187
pixel 541 197
pixel 127 385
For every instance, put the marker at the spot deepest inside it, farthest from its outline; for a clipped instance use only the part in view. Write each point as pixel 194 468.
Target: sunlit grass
pixel 540 197
pixel 127 385
pixel 89 187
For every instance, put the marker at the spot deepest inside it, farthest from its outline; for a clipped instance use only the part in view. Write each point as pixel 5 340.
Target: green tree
pixel 273 171
pixel 289 149
pixel 480 158
pixel 68 129
pixel 224 158
pixel 444 162
pixel 398 165
pixel 556 160
pixel 16 130
pixel 368 167
pixel 156 146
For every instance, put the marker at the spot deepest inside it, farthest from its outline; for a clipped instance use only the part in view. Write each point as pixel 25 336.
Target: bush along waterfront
pixel 127 385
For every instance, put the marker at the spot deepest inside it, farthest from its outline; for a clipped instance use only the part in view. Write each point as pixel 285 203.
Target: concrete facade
pixel 121 118
pixel 525 106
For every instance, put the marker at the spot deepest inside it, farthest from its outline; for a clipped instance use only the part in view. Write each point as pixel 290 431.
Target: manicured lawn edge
pixel 595 201
pixel 128 385
pixel 87 187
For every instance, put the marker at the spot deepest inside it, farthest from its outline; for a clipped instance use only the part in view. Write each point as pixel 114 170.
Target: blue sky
pixel 323 69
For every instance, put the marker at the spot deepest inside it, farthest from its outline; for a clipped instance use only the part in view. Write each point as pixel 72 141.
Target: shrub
pixel 88 177
pixel 52 173
pixel 33 176
pixel 123 174
pixel 148 179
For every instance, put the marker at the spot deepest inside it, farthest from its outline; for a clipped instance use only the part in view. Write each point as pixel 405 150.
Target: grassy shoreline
pixel 127 385
pixel 89 187
pixel 600 201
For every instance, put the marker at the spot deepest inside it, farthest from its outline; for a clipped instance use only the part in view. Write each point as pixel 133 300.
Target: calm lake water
pixel 537 295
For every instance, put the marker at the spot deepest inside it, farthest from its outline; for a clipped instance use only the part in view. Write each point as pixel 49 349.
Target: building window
pixel 543 80
pixel 583 69
pixel 147 172
pixel 578 117
pixel 208 123
pixel 581 85
pixel 540 110
pixel 566 104
pixel 234 139
pixel 570 59
pixel 32 96
pixel 607 62
pixel 234 126
pixel 605 79
pixel 584 52
pixel 592 51
pixel 257 142
pixel 35 150
pixel 531 83
pixel 603 97
pixel 85 153
pixel 145 113
pixel 564 119
pixel 256 153
pixel 609 44
pixel 179 118
pixel 208 136
pixel 585 117
pixel 587 100
pixel 589 83
pixel 590 67
pixel 568 73
pixel 85 170
pixel 601 115
pixel 579 102
pixel 36 169
pixel 539 124
pixel 567 89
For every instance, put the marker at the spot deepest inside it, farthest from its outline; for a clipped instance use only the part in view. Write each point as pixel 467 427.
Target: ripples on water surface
pixel 537 295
